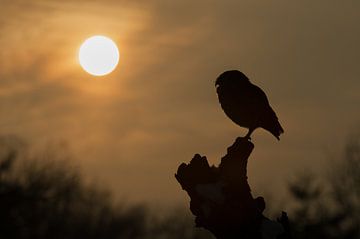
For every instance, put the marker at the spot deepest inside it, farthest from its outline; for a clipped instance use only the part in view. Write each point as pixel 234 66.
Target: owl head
pixel 231 77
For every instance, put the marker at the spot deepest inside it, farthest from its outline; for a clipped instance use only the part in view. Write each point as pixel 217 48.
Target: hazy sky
pixel 131 129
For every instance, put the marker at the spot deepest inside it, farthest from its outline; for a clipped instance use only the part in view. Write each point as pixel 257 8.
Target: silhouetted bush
pixel 329 207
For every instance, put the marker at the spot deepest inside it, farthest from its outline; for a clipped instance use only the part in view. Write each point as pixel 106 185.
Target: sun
pixel 98 55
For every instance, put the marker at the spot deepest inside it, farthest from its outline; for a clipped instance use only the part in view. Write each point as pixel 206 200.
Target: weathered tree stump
pixel 221 197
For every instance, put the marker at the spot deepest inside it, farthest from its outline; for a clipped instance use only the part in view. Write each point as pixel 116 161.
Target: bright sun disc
pixel 98 55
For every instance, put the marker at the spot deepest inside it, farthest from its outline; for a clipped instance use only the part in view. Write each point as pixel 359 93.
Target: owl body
pixel 245 103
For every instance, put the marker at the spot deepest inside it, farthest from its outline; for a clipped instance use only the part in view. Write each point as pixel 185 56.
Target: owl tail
pixel 275 129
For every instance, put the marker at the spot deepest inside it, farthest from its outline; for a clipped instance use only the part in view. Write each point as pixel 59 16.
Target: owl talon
pixel 247 136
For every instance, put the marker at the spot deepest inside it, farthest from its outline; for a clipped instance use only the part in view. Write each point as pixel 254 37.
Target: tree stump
pixel 221 199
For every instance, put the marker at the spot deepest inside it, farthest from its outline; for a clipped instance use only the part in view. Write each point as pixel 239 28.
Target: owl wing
pixel 267 116
pixel 255 102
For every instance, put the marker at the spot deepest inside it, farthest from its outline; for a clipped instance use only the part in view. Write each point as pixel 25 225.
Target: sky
pixel 128 131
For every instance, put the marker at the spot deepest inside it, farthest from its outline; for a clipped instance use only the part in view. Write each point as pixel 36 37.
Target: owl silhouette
pixel 246 104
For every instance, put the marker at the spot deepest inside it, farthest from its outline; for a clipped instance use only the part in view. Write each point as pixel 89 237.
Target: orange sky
pixel 131 129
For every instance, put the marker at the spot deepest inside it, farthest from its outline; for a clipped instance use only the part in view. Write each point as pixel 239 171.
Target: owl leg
pixel 247 136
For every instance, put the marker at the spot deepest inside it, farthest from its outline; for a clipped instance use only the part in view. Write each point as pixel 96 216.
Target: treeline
pixel 43 196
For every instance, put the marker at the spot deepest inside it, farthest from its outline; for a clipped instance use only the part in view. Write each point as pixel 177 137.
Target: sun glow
pixel 98 55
